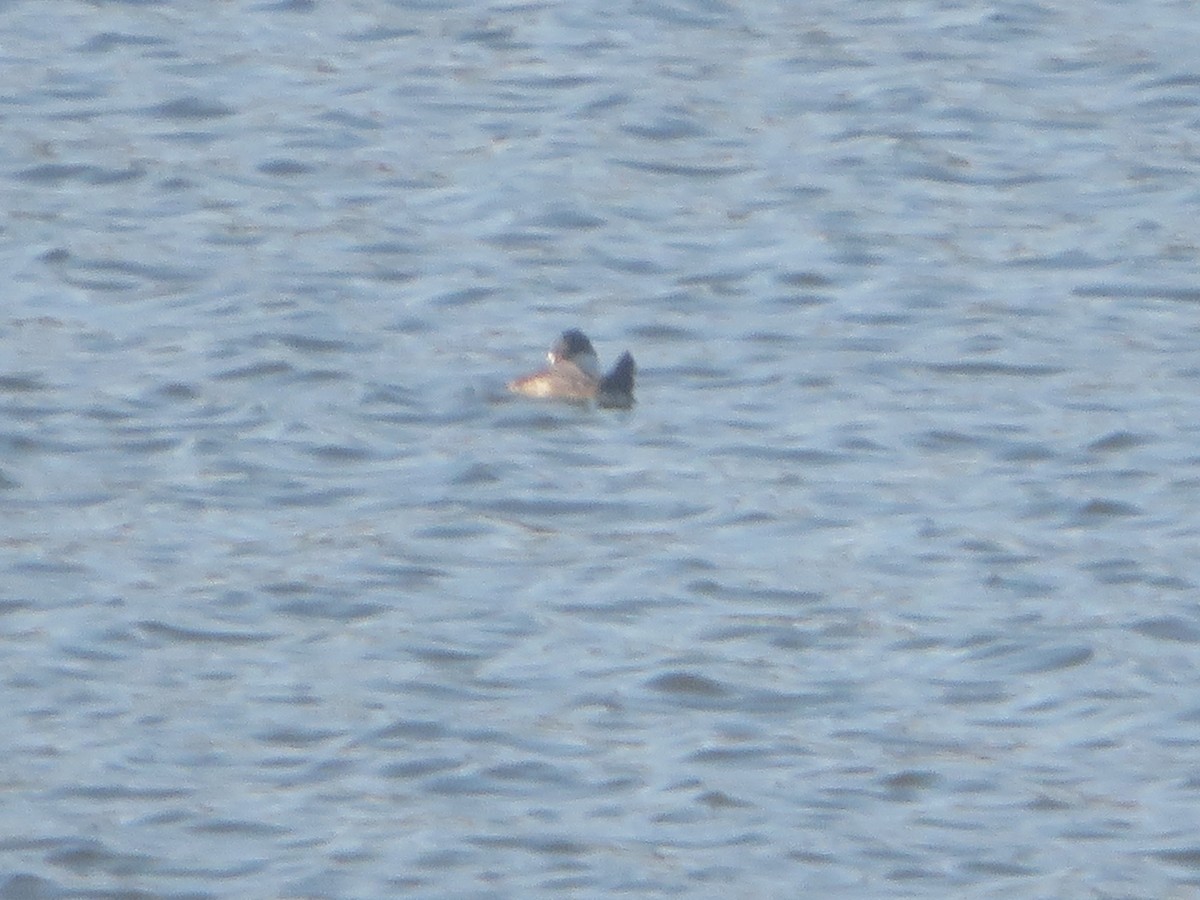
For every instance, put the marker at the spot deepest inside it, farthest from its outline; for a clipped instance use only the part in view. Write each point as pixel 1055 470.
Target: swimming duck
pixel 574 374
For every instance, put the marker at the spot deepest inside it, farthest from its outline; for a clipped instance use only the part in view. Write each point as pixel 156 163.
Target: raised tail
pixel 616 388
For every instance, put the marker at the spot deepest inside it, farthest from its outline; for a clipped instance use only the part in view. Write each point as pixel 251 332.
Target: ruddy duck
pixel 574 374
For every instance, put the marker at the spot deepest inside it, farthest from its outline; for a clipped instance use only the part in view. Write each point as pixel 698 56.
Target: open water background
pixel 888 587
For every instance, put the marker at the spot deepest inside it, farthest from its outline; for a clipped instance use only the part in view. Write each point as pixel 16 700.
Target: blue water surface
pixel 887 587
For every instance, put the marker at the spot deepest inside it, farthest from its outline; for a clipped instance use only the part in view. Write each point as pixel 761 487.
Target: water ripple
pixel 883 588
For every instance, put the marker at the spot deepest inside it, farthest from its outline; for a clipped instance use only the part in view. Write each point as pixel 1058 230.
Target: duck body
pixel 574 375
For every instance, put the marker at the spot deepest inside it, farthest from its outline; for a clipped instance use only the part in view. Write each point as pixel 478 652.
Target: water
pixel 886 588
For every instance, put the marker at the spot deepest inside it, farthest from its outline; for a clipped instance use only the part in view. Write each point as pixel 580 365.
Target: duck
pixel 574 375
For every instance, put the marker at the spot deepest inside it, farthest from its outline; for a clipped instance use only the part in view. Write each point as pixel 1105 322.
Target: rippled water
pixel 886 588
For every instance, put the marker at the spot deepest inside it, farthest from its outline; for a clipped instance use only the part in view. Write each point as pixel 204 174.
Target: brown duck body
pixel 574 375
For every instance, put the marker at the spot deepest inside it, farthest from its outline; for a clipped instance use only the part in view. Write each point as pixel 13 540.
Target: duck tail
pixel 616 388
